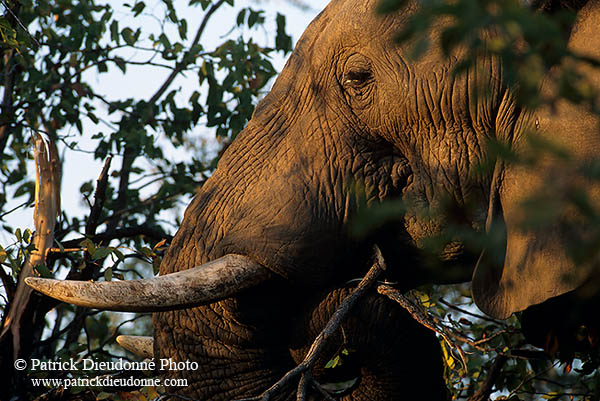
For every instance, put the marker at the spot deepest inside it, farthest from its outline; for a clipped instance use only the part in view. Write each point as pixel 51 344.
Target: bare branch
pixel 47 207
pixel 422 318
pixel 129 155
pixel 466 312
pixel 14 208
pixel 99 199
pixel 305 368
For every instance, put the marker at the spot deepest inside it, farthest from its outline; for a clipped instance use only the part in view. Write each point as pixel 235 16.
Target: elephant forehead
pixel 359 18
pixel 348 26
pixel 344 21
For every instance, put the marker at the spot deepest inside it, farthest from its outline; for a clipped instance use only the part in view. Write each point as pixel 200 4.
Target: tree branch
pixel 180 66
pixel 483 394
pixel 99 199
pixel 127 232
pixel 466 312
pixel 304 369
pixel 47 207
pixel 422 318
pixel 91 266
pixel 8 283
pixel 7 99
pixel 129 155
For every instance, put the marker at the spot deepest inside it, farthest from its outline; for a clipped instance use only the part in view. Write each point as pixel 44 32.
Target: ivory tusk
pixel 141 346
pixel 200 285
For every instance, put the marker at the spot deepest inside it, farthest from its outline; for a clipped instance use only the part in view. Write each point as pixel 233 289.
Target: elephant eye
pixel 357 78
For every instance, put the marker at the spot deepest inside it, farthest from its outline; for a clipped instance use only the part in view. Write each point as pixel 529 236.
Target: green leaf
pixel 283 41
pixel 241 17
pixel 128 36
pixel 89 246
pixel 147 251
pixel 101 253
pixel 119 255
pixel 255 17
pixel 334 362
pixel 114 31
pixel 86 188
pixel 121 64
pixel 138 8
pixel 27 235
pixel 102 67
pixel 108 273
pixel 43 271
pixel 182 27
pixel 93 117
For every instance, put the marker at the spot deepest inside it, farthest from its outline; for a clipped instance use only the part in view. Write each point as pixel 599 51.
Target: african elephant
pixel 352 121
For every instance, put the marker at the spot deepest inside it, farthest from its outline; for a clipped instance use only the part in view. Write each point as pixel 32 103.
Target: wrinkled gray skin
pixel 349 122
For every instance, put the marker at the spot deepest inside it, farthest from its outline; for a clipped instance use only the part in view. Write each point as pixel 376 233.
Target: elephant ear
pixel 524 266
pixel 538 263
pixel 536 267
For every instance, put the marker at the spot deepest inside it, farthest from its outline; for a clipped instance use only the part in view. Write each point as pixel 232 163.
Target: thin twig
pixel 466 312
pixel 430 322
pixel 530 377
pixel 422 318
pixel 63 250
pixel 14 208
pixel 126 232
pixel 18 21
pixel 180 66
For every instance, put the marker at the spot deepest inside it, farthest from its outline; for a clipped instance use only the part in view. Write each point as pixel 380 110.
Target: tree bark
pixel 18 322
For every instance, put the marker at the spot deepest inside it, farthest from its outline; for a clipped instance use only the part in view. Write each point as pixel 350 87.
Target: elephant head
pixel 351 121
